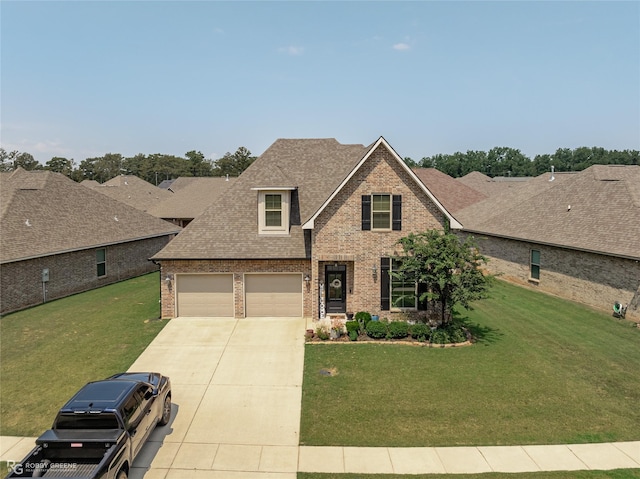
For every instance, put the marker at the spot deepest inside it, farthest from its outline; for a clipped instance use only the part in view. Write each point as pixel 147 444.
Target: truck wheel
pixel 166 411
pixel 122 474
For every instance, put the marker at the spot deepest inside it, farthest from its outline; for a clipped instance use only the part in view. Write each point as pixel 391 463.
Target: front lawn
pixel 48 352
pixel 544 371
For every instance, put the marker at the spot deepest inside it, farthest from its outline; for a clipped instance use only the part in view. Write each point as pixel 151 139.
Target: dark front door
pixel 335 280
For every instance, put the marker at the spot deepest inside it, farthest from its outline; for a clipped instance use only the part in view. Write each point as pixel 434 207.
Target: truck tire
pixel 166 411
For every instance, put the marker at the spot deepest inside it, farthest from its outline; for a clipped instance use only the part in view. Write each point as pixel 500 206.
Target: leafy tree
pixel 6 159
pixel 449 267
pixel 233 164
pixel 198 165
pixel 60 165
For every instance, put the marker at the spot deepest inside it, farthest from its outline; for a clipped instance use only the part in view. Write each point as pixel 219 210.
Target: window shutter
pixel 397 213
pixel 385 286
pixel 422 288
pixel 366 212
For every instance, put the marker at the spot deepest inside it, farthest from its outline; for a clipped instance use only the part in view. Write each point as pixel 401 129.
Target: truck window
pixel 87 421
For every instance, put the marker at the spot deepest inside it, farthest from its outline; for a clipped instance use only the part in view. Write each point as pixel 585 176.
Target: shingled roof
pixel 44 213
pixel 453 195
pixel 228 228
pixel 131 190
pixel 491 186
pixel 189 197
pixel 595 210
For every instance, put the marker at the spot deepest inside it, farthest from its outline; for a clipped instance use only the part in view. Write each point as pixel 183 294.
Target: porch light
pixel 374 269
pixel 307 278
pixel 168 279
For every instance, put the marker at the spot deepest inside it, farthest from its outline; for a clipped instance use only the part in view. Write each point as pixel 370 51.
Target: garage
pixel 204 295
pixel 273 295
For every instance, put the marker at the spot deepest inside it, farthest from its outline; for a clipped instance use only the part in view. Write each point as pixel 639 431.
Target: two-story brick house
pixel 307 230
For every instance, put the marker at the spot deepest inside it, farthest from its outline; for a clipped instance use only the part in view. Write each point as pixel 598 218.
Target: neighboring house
pixel 59 237
pixel 131 190
pixel 575 235
pixel 453 195
pixel 307 230
pixel 189 197
pixel 492 186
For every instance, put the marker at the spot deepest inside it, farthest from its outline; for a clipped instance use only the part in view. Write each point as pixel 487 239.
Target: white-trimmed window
pixel 403 293
pixel 273 212
pixel 534 265
pixel 101 262
pixel 381 212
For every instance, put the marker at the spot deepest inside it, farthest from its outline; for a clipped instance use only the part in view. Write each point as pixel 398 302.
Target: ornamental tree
pixel 448 266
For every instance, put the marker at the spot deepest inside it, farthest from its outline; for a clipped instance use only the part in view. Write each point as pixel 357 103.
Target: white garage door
pixel 205 295
pixel 273 295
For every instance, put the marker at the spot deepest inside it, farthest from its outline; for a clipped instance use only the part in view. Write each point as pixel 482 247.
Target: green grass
pixel 544 371
pixel 613 474
pixel 48 352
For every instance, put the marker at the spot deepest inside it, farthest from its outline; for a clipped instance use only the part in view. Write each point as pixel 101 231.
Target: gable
pixel 382 143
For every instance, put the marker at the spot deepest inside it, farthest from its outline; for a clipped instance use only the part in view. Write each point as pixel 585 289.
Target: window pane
pixel 381 203
pixel 102 269
pixel 381 221
pixel 100 256
pixel 535 271
pixel 273 202
pixel 535 256
pixel 272 218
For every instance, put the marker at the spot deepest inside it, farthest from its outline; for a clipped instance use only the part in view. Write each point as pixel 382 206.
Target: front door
pixel 335 280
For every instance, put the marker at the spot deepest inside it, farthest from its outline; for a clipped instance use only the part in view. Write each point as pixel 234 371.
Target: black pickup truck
pixel 100 430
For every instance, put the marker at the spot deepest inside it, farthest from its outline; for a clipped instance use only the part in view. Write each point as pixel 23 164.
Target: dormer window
pixel 273 211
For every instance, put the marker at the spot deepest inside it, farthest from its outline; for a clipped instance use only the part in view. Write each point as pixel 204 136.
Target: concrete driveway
pixel 237 389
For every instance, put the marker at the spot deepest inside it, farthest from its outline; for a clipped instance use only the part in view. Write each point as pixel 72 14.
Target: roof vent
pixel 552 175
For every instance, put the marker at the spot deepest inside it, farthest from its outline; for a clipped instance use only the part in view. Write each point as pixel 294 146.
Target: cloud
pixel 401 47
pixel 292 50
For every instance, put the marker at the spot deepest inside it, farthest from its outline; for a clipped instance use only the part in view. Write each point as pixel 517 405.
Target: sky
pixel 80 79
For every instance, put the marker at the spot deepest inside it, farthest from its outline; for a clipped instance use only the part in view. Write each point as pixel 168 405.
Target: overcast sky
pixel 84 78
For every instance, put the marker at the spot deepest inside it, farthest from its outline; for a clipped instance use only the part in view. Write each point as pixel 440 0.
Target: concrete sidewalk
pixel 212 460
pixel 237 392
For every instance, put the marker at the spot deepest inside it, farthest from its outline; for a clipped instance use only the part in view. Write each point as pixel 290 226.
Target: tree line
pixel 504 161
pixel 153 168
pixel 499 161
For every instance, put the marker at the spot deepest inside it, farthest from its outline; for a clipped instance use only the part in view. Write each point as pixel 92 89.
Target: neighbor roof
pixel 131 190
pixel 44 213
pixel 595 210
pixel 313 169
pixel 189 197
pixel 453 195
pixel 492 186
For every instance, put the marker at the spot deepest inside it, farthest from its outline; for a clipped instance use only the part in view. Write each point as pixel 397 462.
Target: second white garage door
pixel 205 295
pixel 273 295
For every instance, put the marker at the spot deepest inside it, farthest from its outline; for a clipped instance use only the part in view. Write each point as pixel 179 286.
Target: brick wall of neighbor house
pixel 589 278
pixel 70 273
pixel 238 268
pixel 338 235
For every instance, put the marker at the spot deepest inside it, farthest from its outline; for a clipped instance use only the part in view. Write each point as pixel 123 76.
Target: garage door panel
pixel 273 295
pixel 206 295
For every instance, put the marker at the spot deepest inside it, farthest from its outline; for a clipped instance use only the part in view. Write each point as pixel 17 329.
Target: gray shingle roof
pixel 228 228
pixel 45 213
pixel 491 186
pixel 604 213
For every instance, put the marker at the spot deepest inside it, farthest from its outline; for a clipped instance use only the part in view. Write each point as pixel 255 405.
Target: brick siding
pixel 70 273
pixel 593 279
pixel 338 236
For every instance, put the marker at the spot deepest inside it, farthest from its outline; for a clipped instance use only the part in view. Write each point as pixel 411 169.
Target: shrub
pixel 439 336
pixel 456 333
pixel 322 333
pixel 376 329
pixel 363 318
pixel 352 326
pixel 398 329
pixel 420 331
pixel 353 335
